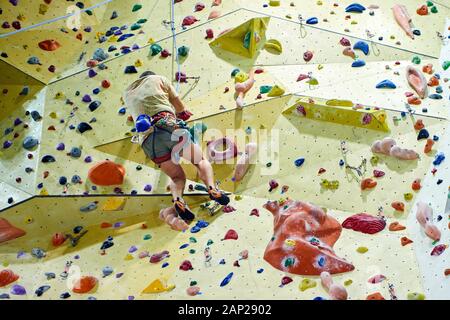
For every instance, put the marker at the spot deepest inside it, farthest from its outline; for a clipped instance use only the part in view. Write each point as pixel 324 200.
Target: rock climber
pixel 159 115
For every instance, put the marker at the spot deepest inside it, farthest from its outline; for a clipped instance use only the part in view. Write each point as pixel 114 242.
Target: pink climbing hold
pixel 216 3
pixel 214 14
pixel 378 173
pixel 157 257
pixel 189 20
pixel 165 53
pixel 302 76
pixel 345 42
pixel 186 265
pixel 376 279
pixel 307 56
pixel 231 235
pixel 209 34
pixel 199 7
pixel 286 280
pixel 254 212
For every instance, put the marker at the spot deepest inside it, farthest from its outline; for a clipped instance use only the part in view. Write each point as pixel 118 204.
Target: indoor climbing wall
pixel 331 79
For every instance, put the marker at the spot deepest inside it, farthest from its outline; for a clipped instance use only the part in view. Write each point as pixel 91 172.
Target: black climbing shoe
pixel 183 211
pixel 218 196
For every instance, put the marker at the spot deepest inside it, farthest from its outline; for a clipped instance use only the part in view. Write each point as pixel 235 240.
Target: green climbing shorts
pixel 159 144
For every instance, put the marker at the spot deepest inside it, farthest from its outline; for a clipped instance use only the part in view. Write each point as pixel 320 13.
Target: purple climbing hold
pixel 88 159
pixel 18 290
pixel 7 144
pixel 14 2
pixel 60 146
pixel 148 188
pixel 86 98
pixel 17 122
pixel 132 249
pixel 92 73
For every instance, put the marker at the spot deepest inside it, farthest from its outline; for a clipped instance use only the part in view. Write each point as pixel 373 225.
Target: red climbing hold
pixel 165 53
pixel 199 7
pixel 85 284
pixel 7 277
pixel 416 185
pixel 49 45
pixel 399 206
pixel 58 239
pixel 418 125
pixel 307 56
pixel 364 223
pixel 186 265
pixel 286 280
pixel 231 235
pixel 254 212
pixel 106 84
pixel 368 184
pixel 105 225
pixel 8 231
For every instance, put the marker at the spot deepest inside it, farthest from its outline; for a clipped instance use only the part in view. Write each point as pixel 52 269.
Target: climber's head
pixel 147 73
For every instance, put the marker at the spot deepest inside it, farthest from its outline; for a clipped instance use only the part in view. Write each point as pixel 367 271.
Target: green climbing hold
pixel 147 237
pixel 247 40
pixel 193 283
pixel 416 60
pixel 141 21
pixel 430 4
pixel 264 89
pixel 434 10
pixel 446 64
pixel 183 51
pixel 136 7
pixel 155 49
pixel 191 251
pixel 135 26
pixel 192 240
pixel 89 12
pixel 288 262
pixel 210 242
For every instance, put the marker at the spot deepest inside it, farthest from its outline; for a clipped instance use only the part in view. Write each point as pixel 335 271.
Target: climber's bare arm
pixel 177 104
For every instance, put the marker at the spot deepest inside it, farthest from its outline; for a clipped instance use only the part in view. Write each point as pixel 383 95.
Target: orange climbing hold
pixel 105 225
pixel 398 205
pixel 8 231
pixel 428 68
pixel 58 239
pixel 419 125
pixel 423 10
pixel 396 226
pixel 85 284
pixel 416 185
pixel 7 277
pixel 375 296
pixel 49 45
pixel 433 82
pixel 414 100
pixel 368 184
pixel 107 173
pixel 428 146
pixel 405 241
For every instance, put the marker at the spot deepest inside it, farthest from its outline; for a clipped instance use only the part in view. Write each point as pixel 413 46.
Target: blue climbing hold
pixel 100 55
pixel 358 63
pixel 96 91
pixel 435 138
pixel 341 162
pixel 386 84
pixel 48 158
pixel 423 134
pixel 299 162
pixel 143 123
pixel 89 207
pixel 124 37
pixel 62 181
pixel 83 127
pixel 112 48
pixel 107 271
pixel 29 143
pixel 260 270
pixel 195 229
pixel 226 280
pixel 76 179
pixel 35 115
pixel 438 159
pixel 319 298
pixel 355 7
pixel 435 96
pixel 33 60
pixel 363 46
pixel 26 90
pixel 75 152
pixel 312 20
pixel 184 246
pixel 122 110
pixel 94 105
pixel 130 69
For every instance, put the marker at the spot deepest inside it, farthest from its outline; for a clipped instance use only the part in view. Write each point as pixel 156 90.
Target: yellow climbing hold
pixel 354 22
pixel 276 91
pixel 313 82
pixel 5 264
pixel 21 17
pixel 319 3
pixel 113 39
pixel 362 249
pixel 381 117
pixel 158 286
pixel 43 192
pixel 416 296
pixel 348 282
pixel 114 204
pixel 237 197
pixel 320 67
pixel 43 8
pixel 128 257
pixel 138 63
pixel 59 95
pixel 28 220
pixel 274 3
pixel 290 242
pixel 339 103
pixel 53 115
pixel 307 284
pixel 240 77
pixel 273 46
pixel 151 41
pixel 408 196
